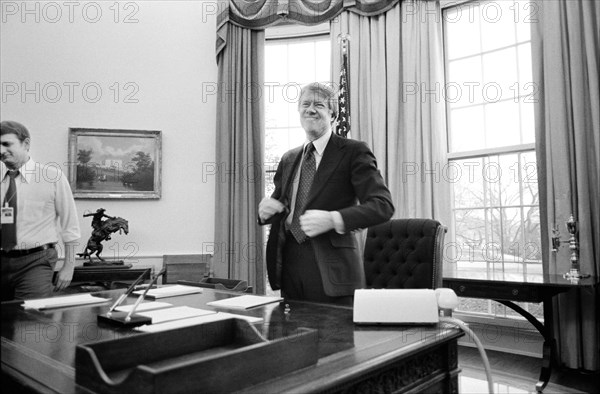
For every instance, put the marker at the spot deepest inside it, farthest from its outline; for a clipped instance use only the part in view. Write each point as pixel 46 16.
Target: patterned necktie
pixel 307 174
pixel 9 231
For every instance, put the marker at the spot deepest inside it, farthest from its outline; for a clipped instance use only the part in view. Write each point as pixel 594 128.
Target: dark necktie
pixel 9 231
pixel 307 174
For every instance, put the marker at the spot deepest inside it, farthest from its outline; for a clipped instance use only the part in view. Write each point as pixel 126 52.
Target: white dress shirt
pixel 46 210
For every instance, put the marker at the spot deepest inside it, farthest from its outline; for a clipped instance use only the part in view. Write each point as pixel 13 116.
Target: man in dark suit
pixel 324 190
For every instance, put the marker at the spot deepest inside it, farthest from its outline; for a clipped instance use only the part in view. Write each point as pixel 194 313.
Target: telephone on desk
pixel 410 307
pixel 402 306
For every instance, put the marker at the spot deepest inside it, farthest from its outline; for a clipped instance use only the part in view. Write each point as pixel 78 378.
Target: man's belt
pixel 25 252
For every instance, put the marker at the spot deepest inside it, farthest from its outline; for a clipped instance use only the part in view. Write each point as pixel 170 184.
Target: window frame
pixel 453 156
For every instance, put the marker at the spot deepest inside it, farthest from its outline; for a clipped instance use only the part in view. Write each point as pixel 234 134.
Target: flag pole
pixel 343 122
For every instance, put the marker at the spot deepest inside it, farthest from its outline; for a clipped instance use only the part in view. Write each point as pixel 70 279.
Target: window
pixel 491 151
pixel 290 63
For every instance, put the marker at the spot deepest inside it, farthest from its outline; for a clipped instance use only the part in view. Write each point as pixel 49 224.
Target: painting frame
pixel 115 163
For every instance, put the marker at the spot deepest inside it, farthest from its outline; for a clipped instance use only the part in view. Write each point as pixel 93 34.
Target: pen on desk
pixel 126 294
pixel 141 297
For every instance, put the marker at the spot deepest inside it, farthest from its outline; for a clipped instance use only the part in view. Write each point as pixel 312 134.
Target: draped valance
pixel 259 14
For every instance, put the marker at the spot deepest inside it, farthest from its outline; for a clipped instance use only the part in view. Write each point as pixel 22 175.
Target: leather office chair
pixel 192 267
pixel 404 254
pixel 194 270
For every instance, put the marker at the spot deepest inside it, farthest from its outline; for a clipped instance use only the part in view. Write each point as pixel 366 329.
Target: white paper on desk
pixel 60 302
pixel 144 306
pixel 170 291
pixel 244 302
pixel 193 321
pixel 179 312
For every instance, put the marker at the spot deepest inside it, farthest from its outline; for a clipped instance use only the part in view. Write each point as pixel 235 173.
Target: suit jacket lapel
pixel 289 170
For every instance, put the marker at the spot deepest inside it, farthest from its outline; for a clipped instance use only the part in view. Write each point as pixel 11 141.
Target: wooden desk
pixel 507 288
pixel 38 347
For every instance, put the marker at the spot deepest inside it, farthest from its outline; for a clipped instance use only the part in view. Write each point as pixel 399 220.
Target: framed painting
pixel 115 164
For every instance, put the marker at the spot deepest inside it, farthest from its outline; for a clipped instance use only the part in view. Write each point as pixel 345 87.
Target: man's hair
pixel 12 127
pixel 325 91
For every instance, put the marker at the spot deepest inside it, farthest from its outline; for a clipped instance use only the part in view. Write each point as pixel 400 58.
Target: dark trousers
pixel 28 277
pixel 300 275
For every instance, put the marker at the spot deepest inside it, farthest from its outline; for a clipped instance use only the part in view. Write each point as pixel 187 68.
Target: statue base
pixel 105 263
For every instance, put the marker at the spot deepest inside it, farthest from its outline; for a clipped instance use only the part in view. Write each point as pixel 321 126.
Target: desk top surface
pixel 40 345
pixel 536 279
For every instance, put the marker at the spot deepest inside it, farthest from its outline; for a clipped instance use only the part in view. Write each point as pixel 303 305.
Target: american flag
pixel 343 121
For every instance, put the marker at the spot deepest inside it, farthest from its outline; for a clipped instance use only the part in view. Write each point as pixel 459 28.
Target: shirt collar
pixel 27 170
pixel 320 143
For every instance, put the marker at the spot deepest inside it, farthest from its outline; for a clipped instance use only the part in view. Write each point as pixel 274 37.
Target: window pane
pixel 510 191
pixel 529 182
pixel 301 71
pixel 512 235
pixel 500 75
pixel 323 57
pixel 525 14
pixel 460 27
pixel 491 247
pixel 532 248
pixel 497 25
pixel 277 68
pixel 470 234
pixel 276 109
pixel 527 123
pixel 525 68
pixel 474 305
pixel 502 124
pixel 491 174
pixel 468 183
pixel 466 81
pixel 469 124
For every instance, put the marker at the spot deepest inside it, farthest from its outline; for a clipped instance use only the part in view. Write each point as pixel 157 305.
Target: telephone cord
pixel 486 362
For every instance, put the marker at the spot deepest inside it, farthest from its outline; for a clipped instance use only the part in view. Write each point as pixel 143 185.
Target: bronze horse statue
pixel 107 227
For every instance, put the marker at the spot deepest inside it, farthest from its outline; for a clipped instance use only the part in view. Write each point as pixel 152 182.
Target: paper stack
pixel 244 302
pixel 169 291
pixel 61 302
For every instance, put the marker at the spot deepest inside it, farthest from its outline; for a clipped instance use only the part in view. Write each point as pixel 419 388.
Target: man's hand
pixel 269 207
pixel 315 222
pixel 64 276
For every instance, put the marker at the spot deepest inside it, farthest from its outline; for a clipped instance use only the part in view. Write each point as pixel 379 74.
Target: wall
pixel 65 64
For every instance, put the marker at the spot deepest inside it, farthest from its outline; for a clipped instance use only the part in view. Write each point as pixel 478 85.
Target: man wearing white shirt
pixel 36 209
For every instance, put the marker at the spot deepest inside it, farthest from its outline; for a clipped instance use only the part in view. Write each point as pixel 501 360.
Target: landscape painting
pixel 115 163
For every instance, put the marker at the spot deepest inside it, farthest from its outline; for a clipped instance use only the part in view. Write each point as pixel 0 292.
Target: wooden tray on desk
pixel 221 356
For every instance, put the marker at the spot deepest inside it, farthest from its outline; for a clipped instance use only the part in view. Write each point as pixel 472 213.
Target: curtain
pixel 395 65
pixel 238 251
pixel 565 42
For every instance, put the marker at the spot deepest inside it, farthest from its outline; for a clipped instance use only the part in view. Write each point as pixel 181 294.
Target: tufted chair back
pixel 404 254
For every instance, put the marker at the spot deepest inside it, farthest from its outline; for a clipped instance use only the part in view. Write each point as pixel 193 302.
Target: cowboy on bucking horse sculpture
pixel 102 231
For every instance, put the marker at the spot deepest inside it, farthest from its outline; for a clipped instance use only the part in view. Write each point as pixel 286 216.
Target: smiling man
pixel 324 190
pixel 37 206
